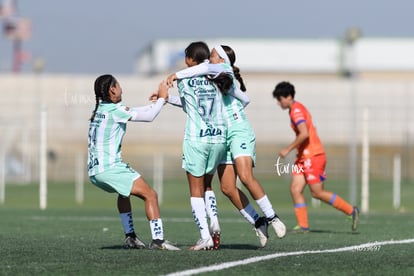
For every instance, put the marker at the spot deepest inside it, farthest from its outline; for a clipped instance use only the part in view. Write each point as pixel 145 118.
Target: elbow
pixel 304 137
pixel 150 119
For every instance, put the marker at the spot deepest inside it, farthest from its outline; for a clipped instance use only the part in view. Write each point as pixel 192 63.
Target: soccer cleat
pixel 216 240
pixel 203 244
pixel 261 230
pixel 355 218
pixel 278 226
pixel 299 230
pixel 162 245
pixel 215 235
pixel 133 243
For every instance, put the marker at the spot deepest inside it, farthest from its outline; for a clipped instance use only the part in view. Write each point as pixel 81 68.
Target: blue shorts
pixel 118 179
pixel 202 158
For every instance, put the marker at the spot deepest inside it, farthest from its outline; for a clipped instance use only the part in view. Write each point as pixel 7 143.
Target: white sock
pixel 127 222
pixel 266 207
pixel 200 216
pixel 211 209
pixel 157 230
pixel 250 214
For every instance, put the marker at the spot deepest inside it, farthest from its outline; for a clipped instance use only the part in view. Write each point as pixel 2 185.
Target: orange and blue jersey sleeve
pixel 297 115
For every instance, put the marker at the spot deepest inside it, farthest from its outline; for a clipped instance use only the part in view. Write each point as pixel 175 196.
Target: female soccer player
pixel 240 146
pixel 106 168
pixel 204 143
pixel 310 162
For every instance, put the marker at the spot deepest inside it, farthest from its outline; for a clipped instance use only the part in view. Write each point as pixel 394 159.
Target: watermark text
pixel 287 168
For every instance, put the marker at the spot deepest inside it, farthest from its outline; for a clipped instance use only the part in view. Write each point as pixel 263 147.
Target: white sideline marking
pixel 217 267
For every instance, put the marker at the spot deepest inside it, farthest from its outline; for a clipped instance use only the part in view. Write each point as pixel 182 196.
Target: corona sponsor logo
pixel 198 82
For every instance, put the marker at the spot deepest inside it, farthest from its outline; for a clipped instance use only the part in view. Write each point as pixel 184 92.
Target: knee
pixel 153 194
pixel 246 178
pixel 149 194
pixel 316 194
pixel 295 190
pixel 227 190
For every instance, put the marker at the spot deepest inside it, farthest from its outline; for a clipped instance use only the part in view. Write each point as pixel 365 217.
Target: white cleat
pixel 203 244
pixel 278 226
pixel 163 245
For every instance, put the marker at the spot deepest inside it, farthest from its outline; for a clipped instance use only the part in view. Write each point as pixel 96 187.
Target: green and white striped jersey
pixel 106 132
pixel 203 105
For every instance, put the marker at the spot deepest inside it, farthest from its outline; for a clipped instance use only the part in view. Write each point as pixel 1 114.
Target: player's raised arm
pixel 149 112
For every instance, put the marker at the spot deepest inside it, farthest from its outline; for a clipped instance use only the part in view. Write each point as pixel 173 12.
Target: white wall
pixel 70 101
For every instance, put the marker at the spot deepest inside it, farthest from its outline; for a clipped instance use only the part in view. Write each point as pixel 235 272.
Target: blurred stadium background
pixel 338 80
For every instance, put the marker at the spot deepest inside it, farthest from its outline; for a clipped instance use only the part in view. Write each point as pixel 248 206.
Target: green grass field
pixel 72 239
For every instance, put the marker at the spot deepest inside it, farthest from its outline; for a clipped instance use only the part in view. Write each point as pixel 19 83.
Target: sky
pixel 105 36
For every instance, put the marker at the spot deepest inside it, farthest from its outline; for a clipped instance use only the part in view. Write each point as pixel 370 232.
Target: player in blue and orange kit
pixel 310 162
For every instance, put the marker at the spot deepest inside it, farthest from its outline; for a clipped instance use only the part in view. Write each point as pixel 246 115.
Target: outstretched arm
pixel 201 69
pixel 204 68
pixel 147 113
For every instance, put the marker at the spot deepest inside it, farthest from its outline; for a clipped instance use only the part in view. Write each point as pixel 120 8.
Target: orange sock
pixel 340 204
pixel 301 213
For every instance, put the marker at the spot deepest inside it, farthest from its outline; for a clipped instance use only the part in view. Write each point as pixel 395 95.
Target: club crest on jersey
pixel 210 132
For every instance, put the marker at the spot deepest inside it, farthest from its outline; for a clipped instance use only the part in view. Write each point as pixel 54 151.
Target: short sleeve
pixel 297 115
pixel 121 114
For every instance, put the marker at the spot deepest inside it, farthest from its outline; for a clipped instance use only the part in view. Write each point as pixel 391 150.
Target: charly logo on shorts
pixel 286 168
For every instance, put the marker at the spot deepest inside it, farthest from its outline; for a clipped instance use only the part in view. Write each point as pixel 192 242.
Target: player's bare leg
pixel 142 190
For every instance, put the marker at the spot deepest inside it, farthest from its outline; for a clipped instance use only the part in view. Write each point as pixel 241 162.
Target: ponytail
pixel 232 58
pixel 236 71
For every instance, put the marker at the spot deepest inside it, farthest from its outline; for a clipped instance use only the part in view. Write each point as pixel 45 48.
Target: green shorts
pixel 241 141
pixel 118 179
pixel 202 158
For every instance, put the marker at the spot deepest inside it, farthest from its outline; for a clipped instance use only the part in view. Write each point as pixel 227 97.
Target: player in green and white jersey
pixel 106 168
pixel 204 144
pixel 241 144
